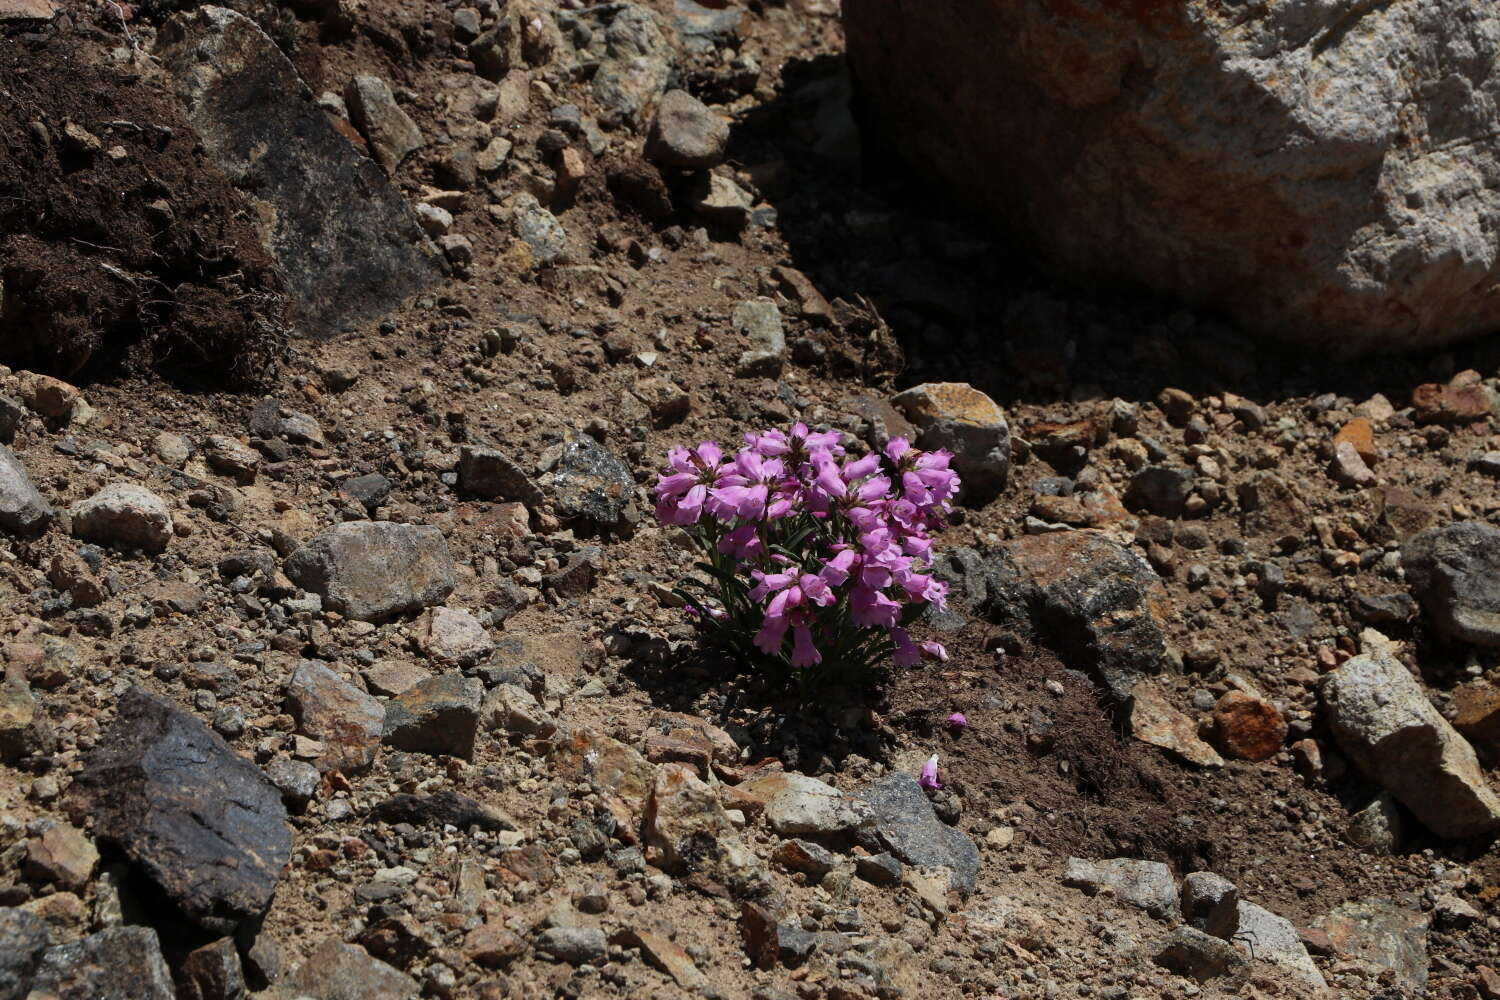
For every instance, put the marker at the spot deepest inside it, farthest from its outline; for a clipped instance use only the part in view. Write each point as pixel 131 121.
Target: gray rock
pixel 574 945
pixel 330 709
pixel 686 134
pixel 339 971
pixel 12 411
pixel 1190 952
pixel 391 133
pixel 296 780
pixel 1383 721
pixel 704 29
pixel 879 869
pixel 118 962
pixel 759 322
pixel 273 419
pixel 488 473
pixel 1091 599
pixel 23 938
pixel 124 514
pixel 198 819
pixel 1377 827
pixel 510 708
pixel 539 229
pixel 800 805
pixel 1253 146
pixel 23 511
pixel 635 54
pixel 343 258
pixel 960 418
pixel 1160 489
pixel 721 201
pixel 439 716
pixel 371 490
pixel 1271 938
pixel 588 483
pixel 1454 571
pixel 1210 903
pixel 1146 884
pixel 1382 935
pixel 909 828
pixel 372 570
pixel 23 724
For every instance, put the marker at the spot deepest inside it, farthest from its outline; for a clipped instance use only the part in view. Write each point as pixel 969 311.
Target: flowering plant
pixel 804 544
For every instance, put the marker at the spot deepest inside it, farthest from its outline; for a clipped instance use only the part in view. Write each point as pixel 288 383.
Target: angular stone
pixel 493 945
pixel 1360 434
pixel 539 229
pixel 453 637
pixel 1153 720
pixel 574 945
pixel 804 856
pixel 960 418
pixel 437 716
pixel 688 830
pixel 1146 884
pixel 339 971
pixel 230 457
pixel 1454 571
pixel 907 825
pixel 23 511
pixel 393 677
pixel 341 716
pixel 800 805
pixel 1099 604
pixel 1384 722
pixel 1476 710
pixel 686 134
pixel 344 259
pixel 1190 952
pixel 719 200
pixel 1160 489
pixel 590 484
pixel 23 725
pixel 391 133
pixel 1253 144
pixel 123 514
pixel 23 939
pixel 274 419
pixel 61 856
pixel 1382 935
pixel 1273 939
pixel 372 570
pixel 488 473
pixel 1348 468
pixel 116 962
pixel 198 819
pixel 296 780
pixel 661 952
pixel 759 322
pixel 615 771
pixel 1248 727
pixel 1378 827
pixel 370 490
pixel 445 808
pixel 512 709
pixel 212 972
pixel 1451 404
pixel 635 54
pixel 1271 509
pixel 1210 903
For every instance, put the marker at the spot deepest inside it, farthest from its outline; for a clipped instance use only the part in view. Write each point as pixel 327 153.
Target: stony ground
pixel 370 683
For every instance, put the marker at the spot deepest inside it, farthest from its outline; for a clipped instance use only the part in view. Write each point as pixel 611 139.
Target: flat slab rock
pixel 1146 884
pixel 905 821
pixel 347 244
pixel 373 570
pixel 198 819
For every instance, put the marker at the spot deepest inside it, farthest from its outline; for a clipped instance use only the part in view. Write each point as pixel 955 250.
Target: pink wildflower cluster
pixel 812 544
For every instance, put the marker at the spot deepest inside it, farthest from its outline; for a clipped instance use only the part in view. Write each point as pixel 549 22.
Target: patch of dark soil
pixel 122 242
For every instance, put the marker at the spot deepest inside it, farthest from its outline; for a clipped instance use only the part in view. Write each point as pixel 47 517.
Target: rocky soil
pixel 369 682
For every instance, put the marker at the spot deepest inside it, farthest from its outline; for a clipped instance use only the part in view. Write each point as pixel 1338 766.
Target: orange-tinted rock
pixel 1361 434
pixel 1450 404
pixel 1476 710
pixel 1248 727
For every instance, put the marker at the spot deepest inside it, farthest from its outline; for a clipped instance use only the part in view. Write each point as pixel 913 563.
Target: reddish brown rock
pixel 1450 404
pixel 1360 433
pixel 1248 727
pixel 1476 710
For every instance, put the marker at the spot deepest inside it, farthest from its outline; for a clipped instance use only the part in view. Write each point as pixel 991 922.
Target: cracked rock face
pixel 1325 174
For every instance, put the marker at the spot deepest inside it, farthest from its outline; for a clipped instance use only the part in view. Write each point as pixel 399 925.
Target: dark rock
pixel 23 939
pixel 372 570
pixel 489 474
pixel 391 133
pixel 704 28
pixel 339 971
pixel 118 962
pixel 1094 601
pixel 574 945
pixel 344 258
pixel 370 490
pixel 439 716
pixel 1210 903
pixel 1190 952
pixel 1454 571
pixel 1160 489
pixel 879 869
pixel 445 808
pixel 911 830
pixel 211 972
pixel 686 134
pixel 1384 608
pixel 199 820
pixel 577 577
pixel 23 511
pixel 590 484
pixel 271 419
pixel 12 415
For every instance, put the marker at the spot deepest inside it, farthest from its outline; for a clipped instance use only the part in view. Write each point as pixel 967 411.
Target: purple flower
pixel 957 720
pixel 935 651
pixel 804 653
pixel 907 654
pixel 929 778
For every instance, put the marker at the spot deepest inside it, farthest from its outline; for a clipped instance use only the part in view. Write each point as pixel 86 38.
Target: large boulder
pixel 1323 171
pixel 347 244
